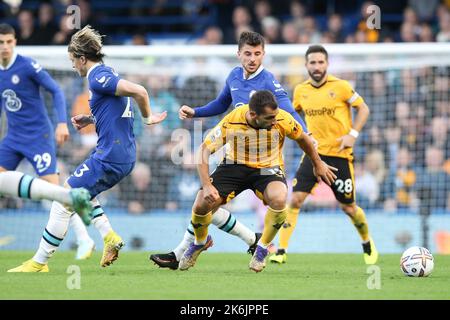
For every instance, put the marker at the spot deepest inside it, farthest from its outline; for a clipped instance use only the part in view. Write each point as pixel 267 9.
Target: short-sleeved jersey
pixel 256 148
pixel 21 99
pixel 113 117
pixel 327 112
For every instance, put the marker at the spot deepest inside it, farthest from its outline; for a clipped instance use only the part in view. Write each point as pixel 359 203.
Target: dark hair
pixel 251 38
pixel 7 29
pixel 314 49
pixel 262 99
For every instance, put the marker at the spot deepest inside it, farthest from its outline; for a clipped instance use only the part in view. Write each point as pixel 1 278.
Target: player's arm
pixel 353 99
pixel 293 130
pixel 210 193
pixel 215 140
pixel 213 108
pixel 321 170
pixel 127 88
pixel 59 102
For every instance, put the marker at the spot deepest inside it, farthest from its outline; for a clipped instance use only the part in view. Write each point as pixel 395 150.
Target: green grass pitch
pixel 221 276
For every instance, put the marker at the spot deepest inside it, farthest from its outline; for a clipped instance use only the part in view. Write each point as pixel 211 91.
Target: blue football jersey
pixel 241 89
pixel 238 90
pixel 113 117
pixel 27 115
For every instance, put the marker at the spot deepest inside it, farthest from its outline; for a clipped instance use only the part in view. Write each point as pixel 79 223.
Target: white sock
pixel 99 219
pixel 188 238
pixel 21 185
pixel 225 221
pixel 80 229
pixel 54 233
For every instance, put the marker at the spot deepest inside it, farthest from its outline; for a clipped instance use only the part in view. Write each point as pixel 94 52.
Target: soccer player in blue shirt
pixel 115 154
pixel 240 85
pixel 30 132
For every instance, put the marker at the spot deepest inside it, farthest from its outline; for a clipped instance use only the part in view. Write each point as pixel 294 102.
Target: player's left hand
pixel 325 172
pixel 347 141
pixel 157 118
pixel 61 133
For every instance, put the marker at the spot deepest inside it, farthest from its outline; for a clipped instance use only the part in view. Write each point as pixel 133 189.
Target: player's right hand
pixel 325 172
pixel 210 194
pixel 186 112
pixel 80 121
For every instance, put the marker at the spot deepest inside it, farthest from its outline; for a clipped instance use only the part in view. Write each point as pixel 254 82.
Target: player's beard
pixel 317 77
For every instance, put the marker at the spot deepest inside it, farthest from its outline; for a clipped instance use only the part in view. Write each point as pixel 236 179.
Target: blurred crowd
pixel 221 22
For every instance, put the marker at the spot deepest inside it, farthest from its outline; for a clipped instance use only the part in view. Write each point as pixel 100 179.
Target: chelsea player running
pixel 115 154
pixel 242 82
pixel 30 133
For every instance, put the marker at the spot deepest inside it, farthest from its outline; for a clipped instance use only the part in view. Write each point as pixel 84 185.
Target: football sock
pixel 54 232
pixel 188 238
pixel 99 219
pixel 225 221
pixel 79 228
pixel 200 224
pixel 288 227
pixel 360 223
pixel 272 223
pixel 21 185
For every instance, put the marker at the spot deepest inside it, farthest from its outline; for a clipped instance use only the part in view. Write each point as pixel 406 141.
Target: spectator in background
pixel 407 32
pixel 271 29
pixel 27 34
pixel 310 33
pixel 62 37
pixel 46 27
pixel 261 10
pixel 433 183
pixel 426 33
pixel 335 28
pixel 424 9
pixel 297 12
pixel 405 179
pixel 289 33
pixel 139 39
pixel 212 36
pixel 241 21
pixel 444 26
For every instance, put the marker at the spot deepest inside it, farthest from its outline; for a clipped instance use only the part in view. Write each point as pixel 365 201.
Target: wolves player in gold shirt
pixel 326 102
pixel 254 135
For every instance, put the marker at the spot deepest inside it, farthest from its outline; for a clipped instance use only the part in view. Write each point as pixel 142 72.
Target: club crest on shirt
pixel 15 79
pixel 332 94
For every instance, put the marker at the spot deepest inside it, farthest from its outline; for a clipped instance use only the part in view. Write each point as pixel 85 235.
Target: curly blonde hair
pixel 87 42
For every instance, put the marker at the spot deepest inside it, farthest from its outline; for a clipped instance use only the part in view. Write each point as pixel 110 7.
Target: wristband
pixel 354 133
pixel 148 120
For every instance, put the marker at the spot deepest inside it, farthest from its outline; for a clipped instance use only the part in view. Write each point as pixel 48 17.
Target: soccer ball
pixel 417 262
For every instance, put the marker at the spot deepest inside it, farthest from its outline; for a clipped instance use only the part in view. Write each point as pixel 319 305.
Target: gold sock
pixel 200 224
pixel 272 223
pixel 288 227
pixel 360 223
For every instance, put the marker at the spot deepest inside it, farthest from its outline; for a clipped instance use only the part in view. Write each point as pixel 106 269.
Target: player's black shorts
pixel 344 185
pixel 232 179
